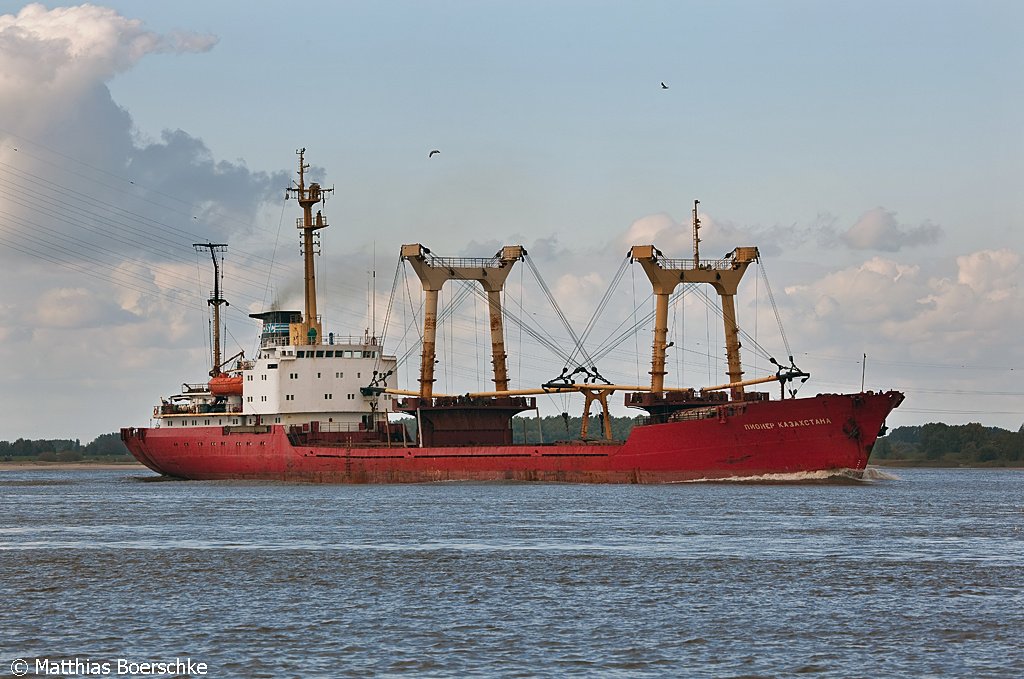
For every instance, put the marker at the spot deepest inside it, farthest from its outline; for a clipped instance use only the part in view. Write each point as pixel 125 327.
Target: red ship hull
pixel 822 433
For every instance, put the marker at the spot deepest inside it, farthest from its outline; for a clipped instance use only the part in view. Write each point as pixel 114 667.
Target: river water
pixel 911 573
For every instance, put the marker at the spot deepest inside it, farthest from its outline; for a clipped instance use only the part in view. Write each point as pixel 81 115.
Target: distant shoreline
pixel 29 465
pixel 932 464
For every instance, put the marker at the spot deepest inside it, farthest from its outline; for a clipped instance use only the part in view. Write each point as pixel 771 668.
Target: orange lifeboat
pixel 226 385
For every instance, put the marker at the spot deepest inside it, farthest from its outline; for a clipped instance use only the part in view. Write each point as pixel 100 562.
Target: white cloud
pixel 991 274
pixel 659 229
pixel 49 58
pixel 76 308
pixel 878 229
pixel 896 307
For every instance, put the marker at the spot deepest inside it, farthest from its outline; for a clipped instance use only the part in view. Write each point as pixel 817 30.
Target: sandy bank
pixel 70 466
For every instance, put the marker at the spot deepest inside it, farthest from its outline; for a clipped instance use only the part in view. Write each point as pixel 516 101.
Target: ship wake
pixel 850 477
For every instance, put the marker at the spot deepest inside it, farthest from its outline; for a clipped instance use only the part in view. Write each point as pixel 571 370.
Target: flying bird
pixel 663 85
pixel 431 154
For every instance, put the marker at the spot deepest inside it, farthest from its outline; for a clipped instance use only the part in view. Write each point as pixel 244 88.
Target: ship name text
pixel 788 424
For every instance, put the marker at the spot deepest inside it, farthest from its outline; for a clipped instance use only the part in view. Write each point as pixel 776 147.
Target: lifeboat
pixel 226 385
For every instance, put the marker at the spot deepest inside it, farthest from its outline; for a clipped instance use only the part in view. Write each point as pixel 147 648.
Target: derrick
pixel 723 275
pixel 433 273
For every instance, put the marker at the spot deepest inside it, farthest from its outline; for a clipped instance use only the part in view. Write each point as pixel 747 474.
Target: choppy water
pixel 917 575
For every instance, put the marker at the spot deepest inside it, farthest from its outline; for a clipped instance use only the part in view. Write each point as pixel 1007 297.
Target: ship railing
pixel 360 340
pixel 196 409
pixel 687 415
pixel 339 427
pixel 330 339
pixel 690 264
pixel 466 262
pixel 300 223
pixel 195 388
pixel 693 414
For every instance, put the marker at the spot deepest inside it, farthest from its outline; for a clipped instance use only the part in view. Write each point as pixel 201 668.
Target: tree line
pixel 940 444
pixel 63 450
pixel 554 428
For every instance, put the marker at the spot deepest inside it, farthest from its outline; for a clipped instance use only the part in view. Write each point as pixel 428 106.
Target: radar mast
pixel 308 196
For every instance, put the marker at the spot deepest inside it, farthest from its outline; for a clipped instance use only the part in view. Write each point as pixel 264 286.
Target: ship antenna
pixel 696 236
pixel 373 299
pixel 215 300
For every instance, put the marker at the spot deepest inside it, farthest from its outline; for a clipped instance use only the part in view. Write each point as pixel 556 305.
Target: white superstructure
pixel 299 383
pixel 291 384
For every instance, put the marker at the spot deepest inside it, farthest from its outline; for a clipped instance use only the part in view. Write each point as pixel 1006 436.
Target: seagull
pixel 663 85
pixel 431 154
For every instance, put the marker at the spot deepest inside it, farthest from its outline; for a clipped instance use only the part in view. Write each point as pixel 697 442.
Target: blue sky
pixel 831 106
pixel 873 151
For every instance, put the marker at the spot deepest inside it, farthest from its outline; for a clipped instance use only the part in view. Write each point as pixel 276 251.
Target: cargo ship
pixel 316 408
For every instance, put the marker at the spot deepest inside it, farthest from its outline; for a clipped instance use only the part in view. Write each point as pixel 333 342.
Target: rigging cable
pixel 558 311
pixel 602 304
pixel 636 336
pixel 771 297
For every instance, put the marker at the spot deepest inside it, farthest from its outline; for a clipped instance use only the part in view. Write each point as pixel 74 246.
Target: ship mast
pixel 215 300
pixel 308 196
pixel 696 236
